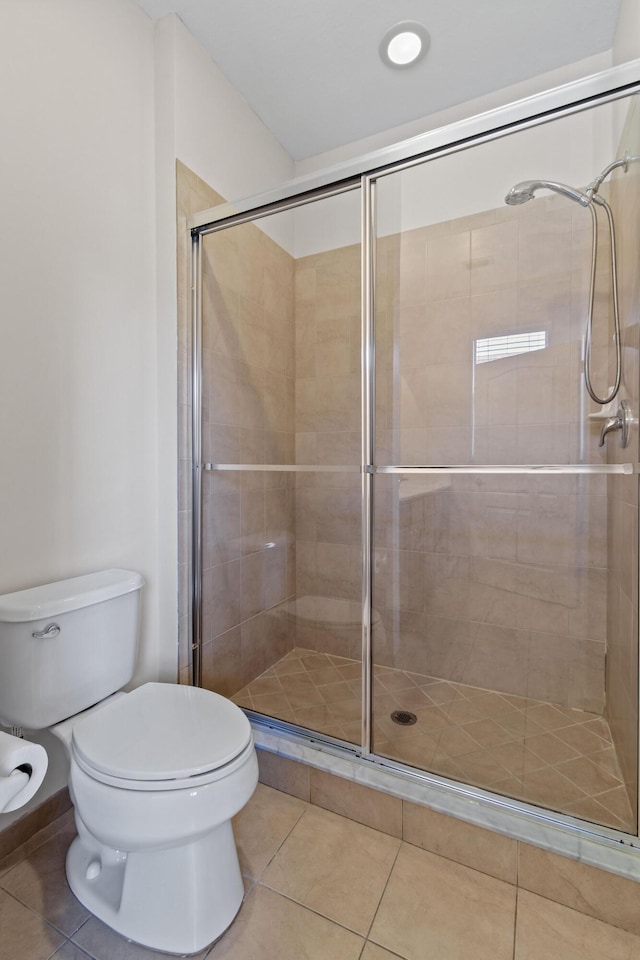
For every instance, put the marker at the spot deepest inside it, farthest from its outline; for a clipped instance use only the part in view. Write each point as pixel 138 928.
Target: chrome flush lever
pixel 621 421
pixel 50 631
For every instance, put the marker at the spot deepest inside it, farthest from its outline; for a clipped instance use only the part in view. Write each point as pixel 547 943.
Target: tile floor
pixel 319 887
pixel 556 757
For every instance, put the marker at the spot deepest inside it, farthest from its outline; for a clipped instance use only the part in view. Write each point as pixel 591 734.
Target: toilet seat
pixel 162 736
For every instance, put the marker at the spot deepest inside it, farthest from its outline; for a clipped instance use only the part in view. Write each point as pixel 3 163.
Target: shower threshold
pixel 552 756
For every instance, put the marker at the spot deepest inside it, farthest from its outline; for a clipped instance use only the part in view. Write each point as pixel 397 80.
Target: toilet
pixel 155 774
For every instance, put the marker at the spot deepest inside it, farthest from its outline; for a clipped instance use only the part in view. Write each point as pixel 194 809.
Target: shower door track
pixel 493 470
pixel 574 98
pixel 599 846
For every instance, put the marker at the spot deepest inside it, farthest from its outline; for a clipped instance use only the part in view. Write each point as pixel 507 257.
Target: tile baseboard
pixel 27 827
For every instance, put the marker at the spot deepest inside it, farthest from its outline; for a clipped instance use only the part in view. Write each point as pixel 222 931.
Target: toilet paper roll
pixel 20 759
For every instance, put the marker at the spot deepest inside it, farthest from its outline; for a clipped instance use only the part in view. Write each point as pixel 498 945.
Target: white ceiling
pixel 311 70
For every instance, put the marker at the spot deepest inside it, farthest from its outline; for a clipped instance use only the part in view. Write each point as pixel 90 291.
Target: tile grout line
pixel 570 719
pixel 58 949
pixel 76 946
pixel 392 953
pixel 515 922
pixel 580 913
pixel 375 912
pixel 257 880
pixel 305 906
pixel 317 913
pixel 40 917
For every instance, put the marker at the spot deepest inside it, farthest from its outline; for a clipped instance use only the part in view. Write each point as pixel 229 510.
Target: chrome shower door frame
pixel 363 174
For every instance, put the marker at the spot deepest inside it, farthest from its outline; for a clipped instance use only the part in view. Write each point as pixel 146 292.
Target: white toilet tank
pixel 67 645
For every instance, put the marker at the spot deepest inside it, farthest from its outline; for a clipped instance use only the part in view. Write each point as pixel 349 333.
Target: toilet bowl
pixel 155 774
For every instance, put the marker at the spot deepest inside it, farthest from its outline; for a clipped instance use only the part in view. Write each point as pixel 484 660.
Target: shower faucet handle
pixel 613 423
pixel 621 421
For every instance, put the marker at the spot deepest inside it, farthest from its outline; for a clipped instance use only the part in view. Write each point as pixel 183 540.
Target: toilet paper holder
pixel 23 765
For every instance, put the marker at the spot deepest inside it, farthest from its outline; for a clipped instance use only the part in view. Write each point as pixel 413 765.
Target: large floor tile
pixel 433 909
pixel 261 827
pixel 463 842
pixel 102 943
pixel 40 883
pixel 69 951
pixel 373 952
pixel 548 931
pixel 599 894
pixel 23 935
pixel 334 866
pixel 270 926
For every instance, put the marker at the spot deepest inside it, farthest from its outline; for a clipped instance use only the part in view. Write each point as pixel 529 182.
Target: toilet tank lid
pixel 52 599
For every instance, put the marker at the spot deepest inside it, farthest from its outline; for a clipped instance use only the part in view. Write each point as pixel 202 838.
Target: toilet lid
pixel 162 731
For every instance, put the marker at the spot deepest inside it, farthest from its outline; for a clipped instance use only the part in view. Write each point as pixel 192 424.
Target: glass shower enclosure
pixel 415 532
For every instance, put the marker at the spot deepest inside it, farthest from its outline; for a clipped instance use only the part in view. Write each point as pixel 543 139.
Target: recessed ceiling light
pixel 404 45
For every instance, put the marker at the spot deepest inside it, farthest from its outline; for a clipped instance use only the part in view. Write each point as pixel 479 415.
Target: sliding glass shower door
pixel 419 532
pixel 491 556
pixel 282 447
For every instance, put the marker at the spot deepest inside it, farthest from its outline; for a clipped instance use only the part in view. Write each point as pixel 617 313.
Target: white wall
pixel 77 248
pixel 626 41
pixel 576 150
pixel 626 46
pixel 571 149
pixel 218 135
pixel 498 98
pixel 78 415
pixel 215 132
pixel 95 105
pixel 203 121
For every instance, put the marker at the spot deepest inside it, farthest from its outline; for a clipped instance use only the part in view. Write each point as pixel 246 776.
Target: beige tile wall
pixel 495 582
pixel 192 195
pixel 248 353
pixel 622 492
pixel 248 407
pixel 327 422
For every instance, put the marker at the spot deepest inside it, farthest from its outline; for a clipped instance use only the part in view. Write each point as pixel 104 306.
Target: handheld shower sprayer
pixel 524 191
pixel 527 188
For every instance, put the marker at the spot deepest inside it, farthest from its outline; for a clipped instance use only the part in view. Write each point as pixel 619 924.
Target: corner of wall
pixel 167 321
pixel 626 40
pixel 218 135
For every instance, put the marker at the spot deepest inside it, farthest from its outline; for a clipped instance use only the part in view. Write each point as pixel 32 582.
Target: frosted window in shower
pixel 498 348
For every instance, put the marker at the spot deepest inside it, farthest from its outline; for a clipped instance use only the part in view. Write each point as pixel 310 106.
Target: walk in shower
pixel 409 535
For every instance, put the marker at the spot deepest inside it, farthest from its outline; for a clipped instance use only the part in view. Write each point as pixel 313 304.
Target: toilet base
pixel 178 899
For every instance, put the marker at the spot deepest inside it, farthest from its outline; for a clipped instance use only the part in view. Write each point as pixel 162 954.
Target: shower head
pixel 526 189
